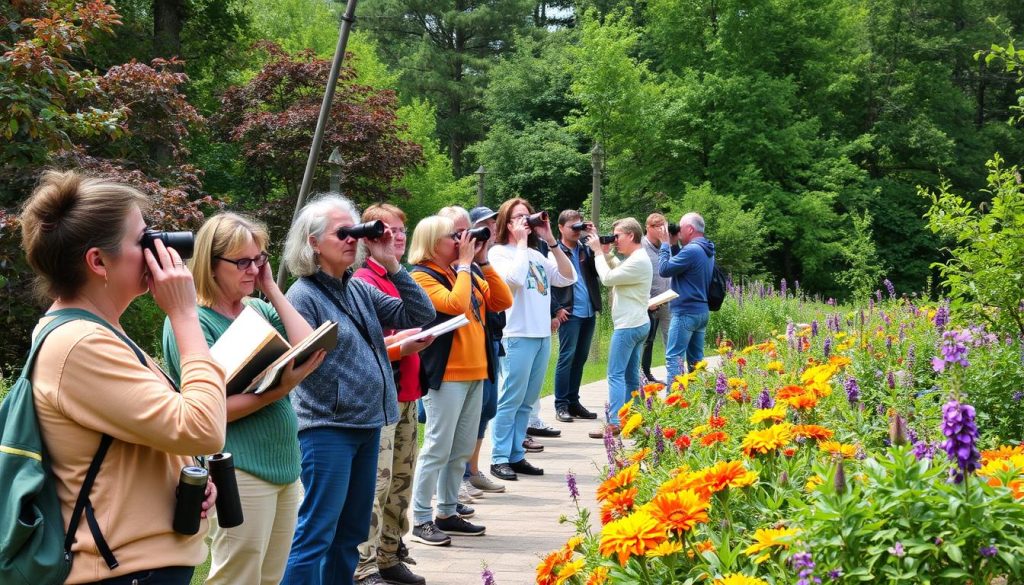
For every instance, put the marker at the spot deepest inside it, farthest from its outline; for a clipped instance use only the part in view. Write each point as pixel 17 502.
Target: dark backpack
pixel 35 549
pixel 717 287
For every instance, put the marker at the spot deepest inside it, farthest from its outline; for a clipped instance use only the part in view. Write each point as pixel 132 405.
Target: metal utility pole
pixel 347 20
pixel 597 164
pixel 480 185
pixel 337 170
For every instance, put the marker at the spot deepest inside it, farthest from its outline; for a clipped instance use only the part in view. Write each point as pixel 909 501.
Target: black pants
pixel 645 358
pixel 164 576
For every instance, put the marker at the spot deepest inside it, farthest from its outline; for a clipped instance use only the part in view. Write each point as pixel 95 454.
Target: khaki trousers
pixel 257 550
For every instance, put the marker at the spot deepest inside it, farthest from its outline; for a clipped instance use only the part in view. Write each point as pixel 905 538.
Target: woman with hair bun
pixel 83 238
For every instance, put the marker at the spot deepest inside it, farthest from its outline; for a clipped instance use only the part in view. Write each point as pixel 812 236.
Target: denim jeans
pixel 685 342
pixel 624 367
pixel 573 349
pixel 489 405
pixel 522 373
pixel 339 475
pixel 453 416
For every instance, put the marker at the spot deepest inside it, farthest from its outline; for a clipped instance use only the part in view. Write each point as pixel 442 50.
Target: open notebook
pixel 254 354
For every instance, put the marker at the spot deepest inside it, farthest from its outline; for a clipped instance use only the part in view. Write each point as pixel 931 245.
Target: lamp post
pixel 480 185
pixel 597 164
pixel 337 165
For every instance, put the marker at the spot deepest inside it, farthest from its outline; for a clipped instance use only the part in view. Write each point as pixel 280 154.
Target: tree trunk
pixel 168 19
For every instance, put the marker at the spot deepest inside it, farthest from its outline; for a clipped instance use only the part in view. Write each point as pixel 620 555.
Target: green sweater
pixel 265 443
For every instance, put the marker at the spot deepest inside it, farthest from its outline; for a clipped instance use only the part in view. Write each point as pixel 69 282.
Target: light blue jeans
pixel 685 342
pixel 453 417
pixel 522 373
pixel 624 367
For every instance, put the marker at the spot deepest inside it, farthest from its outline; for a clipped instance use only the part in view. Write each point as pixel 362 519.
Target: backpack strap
pixel 82 503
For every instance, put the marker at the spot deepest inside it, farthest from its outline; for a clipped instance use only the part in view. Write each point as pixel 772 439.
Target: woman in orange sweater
pixel 452 369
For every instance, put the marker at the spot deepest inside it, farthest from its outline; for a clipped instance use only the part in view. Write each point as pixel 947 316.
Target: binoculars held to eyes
pixel 370 230
pixel 537 219
pixel 609 239
pixel 579 226
pixel 183 242
pixel 480 234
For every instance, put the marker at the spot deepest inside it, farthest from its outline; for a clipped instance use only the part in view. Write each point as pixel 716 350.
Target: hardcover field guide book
pixel 254 354
pixel 661 299
pixel 439 329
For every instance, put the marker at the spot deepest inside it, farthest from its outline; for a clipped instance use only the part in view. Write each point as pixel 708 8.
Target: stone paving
pixel 522 523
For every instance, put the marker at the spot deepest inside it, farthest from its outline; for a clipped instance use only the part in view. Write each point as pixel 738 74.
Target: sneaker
pixel 473 491
pixel 503 471
pixel 525 467
pixel 544 431
pixel 456 525
pixel 532 446
pixel 429 534
pixel 374 579
pixel 579 411
pixel 599 433
pixel 464 511
pixel 482 483
pixel 401 575
pixel 464 497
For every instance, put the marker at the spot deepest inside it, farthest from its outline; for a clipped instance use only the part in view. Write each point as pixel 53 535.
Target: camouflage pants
pixel 396 465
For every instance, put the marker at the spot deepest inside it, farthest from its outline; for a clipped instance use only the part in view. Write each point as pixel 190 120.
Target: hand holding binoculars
pixel 370 230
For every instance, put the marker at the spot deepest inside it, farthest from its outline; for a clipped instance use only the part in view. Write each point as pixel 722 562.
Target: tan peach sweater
pixel 88 382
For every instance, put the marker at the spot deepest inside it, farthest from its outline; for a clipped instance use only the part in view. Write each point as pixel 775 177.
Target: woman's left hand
pixel 383 251
pixel 211 498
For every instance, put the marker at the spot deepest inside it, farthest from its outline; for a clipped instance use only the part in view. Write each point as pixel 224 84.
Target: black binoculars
pixel 480 234
pixel 537 219
pixel 370 230
pixel 609 239
pixel 673 228
pixel 183 242
pixel 579 226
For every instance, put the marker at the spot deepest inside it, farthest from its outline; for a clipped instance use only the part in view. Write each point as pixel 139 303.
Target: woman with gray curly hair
pixel 342 406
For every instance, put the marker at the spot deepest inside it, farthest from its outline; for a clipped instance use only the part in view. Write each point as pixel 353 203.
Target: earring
pixel 104 281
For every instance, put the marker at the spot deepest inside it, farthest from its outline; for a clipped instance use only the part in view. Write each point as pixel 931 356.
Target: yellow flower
pixel 622 479
pixel 633 535
pixel 776 414
pixel 640 455
pixel 573 543
pixel 813 482
pixel 570 569
pixel 760 442
pixel 836 448
pixel 624 411
pixel 678 511
pixel 765 538
pixel 665 549
pixel 775 366
pixel 631 425
pixel 739 579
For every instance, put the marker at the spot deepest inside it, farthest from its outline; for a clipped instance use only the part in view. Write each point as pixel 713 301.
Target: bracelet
pixel 461 268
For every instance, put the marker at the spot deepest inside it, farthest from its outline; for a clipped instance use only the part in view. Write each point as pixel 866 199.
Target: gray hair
pixel 299 255
pixel 694 220
pixel 454 212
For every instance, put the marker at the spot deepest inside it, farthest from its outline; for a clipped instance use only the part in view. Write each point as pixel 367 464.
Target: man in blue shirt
pixel 690 272
pixel 576 308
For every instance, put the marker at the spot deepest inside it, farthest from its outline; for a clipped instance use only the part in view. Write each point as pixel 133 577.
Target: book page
pixel 662 299
pixel 323 337
pixel 439 329
pixel 248 346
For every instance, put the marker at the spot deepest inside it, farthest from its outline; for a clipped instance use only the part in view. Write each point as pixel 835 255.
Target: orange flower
pixel 624 411
pixel 546 570
pixel 816 432
pixel 728 474
pixel 765 538
pixel 717 422
pixel 740 396
pixel 805 400
pixel 763 441
pixel 676 399
pixel 683 442
pixel 789 391
pixel 653 388
pixel 679 511
pixel 618 505
pixel 712 438
pixel 598 577
pixel 623 478
pixel 702 547
pixel 640 455
pixel 1003 452
pixel 569 569
pixel 836 448
pixel 633 535
pixel 669 433
pixel 669 547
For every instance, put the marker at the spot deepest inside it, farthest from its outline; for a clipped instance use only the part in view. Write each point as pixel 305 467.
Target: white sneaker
pixel 472 490
pixel 464 496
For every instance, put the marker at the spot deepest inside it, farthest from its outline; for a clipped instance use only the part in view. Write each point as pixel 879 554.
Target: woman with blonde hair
pixel 98 397
pixel 230 264
pixel 453 370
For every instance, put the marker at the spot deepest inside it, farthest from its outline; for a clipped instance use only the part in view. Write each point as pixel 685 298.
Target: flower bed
pixel 877 446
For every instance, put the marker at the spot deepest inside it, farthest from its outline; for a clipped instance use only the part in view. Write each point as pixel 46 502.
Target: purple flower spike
pixel 896 550
pixel 570 481
pixel 954 350
pixel 852 390
pixel 988 551
pixel 827 348
pixel 721 384
pixel 941 317
pixel 765 400
pixel 961 435
pixel 488 577
pixel 889 287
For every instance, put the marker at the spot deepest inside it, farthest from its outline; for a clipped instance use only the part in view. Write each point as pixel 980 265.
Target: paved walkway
pixel 522 523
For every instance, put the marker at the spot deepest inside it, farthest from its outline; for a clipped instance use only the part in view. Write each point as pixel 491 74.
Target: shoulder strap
pixel 82 503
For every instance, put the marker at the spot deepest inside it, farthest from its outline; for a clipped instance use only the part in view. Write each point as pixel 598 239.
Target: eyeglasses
pixel 245 263
pixel 397 230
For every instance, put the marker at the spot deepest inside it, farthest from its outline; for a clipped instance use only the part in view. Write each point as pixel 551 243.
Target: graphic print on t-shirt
pixel 537 278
